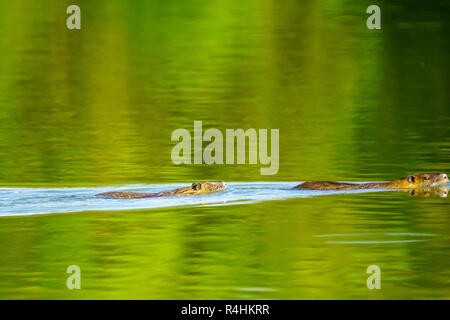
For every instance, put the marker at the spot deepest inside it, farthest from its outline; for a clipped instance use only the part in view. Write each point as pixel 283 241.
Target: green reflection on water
pixel 280 249
pixel 98 106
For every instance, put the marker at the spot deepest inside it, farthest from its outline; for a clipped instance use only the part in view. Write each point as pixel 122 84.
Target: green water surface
pixel 97 106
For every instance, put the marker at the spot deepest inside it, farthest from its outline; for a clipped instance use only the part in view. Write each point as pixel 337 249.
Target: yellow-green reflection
pixel 98 106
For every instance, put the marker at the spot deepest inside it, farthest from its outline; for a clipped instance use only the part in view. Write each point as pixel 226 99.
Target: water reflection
pixel 441 192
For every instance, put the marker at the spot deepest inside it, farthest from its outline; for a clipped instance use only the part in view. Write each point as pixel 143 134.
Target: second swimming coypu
pixel 194 189
pixel 410 182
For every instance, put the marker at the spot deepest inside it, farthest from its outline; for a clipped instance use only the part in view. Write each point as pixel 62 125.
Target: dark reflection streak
pixel 440 192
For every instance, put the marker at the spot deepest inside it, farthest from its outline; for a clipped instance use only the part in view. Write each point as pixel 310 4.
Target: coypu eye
pixel 197 186
pixel 411 179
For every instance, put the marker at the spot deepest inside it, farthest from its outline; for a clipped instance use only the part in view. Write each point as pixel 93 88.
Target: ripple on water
pixel 381 238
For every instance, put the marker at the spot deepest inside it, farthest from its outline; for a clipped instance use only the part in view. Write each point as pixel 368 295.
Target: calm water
pixel 88 111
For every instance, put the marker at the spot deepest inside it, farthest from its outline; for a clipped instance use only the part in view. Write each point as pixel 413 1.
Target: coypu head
pixel 422 180
pixel 208 187
pixel 200 188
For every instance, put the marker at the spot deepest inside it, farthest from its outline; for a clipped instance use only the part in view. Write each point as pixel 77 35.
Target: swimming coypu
pixel 410 182
pixel 195 188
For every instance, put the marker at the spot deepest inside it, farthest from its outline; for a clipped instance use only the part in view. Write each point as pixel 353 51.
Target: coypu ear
pixel 411 179
pixel 197 186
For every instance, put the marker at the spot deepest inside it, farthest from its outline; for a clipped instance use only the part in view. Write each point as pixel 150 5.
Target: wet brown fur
pixel 194 189
pixel 410 182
